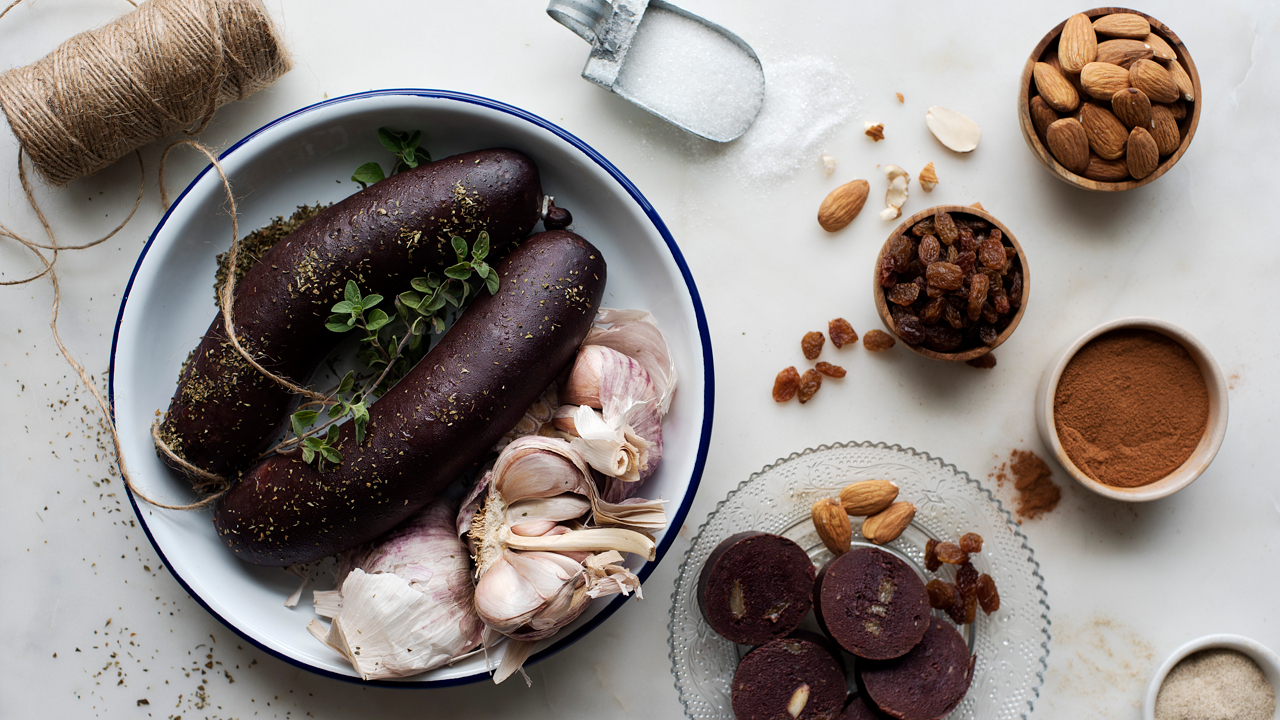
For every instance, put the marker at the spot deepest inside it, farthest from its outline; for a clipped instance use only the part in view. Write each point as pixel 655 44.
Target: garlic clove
pixel 604 445
pixel 635 333
pixel 560 507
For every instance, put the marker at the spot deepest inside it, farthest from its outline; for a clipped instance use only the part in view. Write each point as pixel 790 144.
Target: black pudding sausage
pixel 440 419
pixel 225 413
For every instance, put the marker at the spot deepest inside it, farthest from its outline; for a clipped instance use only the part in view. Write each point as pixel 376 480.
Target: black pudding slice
pixel 872 603
pixel 926 683
pixel 788 678
pixel 755 587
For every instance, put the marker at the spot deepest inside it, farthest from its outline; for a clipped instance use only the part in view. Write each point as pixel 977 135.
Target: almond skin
pixel 1042 116
pixel 1177 109
pixel 1182 80
pixel 1069 144
pixel 1132 108
pixel 1106 170
pixel 1141 155
pixel 1103 80
pixel 1078 45
pixel 1123 52
pixel 832 524
pixel 1153 79
pixel 1122 25
pixel 843 204
pixel 867 497
pixel 1162 49
pixel 1106 133
pixel 1055 89
pixel 885 526
pixel 1164 130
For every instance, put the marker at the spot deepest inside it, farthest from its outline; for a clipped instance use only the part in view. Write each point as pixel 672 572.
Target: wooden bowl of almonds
pixel 951 282
pixel 1108 99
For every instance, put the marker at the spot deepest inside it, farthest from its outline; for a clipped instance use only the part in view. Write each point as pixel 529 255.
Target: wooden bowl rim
pixel 1049 161
pixel 882 305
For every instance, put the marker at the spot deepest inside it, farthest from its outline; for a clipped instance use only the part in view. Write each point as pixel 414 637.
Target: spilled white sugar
pixel 690 74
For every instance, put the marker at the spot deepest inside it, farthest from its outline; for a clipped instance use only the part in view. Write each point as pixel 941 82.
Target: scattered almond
pixel 978 205
pixel 867 497
pixel 875 131
pixel 832 524
pixel 1103 80
pixel 1068 143
pixel 799 699
pixel 1132 107
pixel 928 178
pixel 1123 52
pixel 1177 109
pixel 1122 25
pixel 886 525
pixel 900 98
pixel 1106 134
pixel 828 164
pixel 1078 45
pixel 1106 170
pixel 1142 156
pixel 1182 80
pixel 1042 116
pixel 1164 130
pixel 1161 48
pixel 843 204
pixel 1153 79
pixel 952 129
pixel 1054 88
pixel 896 194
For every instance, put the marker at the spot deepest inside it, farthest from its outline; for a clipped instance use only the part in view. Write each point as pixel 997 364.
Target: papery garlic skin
pixel 405 603
pixel 635 333
pixel 619 386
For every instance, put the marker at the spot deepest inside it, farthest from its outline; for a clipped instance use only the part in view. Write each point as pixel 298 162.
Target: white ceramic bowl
pixel 1204 452
pixel 296 160
pixel 1266 659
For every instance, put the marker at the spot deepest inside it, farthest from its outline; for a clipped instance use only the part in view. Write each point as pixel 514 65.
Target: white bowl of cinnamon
pixel 1135 409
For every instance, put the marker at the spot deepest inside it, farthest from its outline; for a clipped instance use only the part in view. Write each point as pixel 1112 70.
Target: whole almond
pixel 1132 107
pixel 1106 133
pixel 1073 78
pixel 832 524
pixel 1069 144
pixel 1122 25
pixel 1182 80
pixel 886 525
pixel 1106 170
pixel 1054 88
pixel 1042 116
pixel 1162 49
pixel 843 204
pixel 867 497
pixel 1078 45
pixel 1177 109
pixel 1103 80
pixel 1164 130
pixel 1123 52
pixel 1142 156
pixel 1153 79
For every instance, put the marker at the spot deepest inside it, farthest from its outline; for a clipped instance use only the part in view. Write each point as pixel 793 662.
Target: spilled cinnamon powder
pixel 1032 480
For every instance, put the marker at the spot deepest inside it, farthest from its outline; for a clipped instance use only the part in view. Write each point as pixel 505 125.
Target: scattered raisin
pixel 988 596
pixel 903 293
pixel 951 553
pixel 809 384
pixel 830 370
pixel 811 344
pixel 922 228
pixel 971 542
pixel 940 595
pixel 944 275
pixel 877 340
pixel 977 295
pixel 786 384
pixel 931 561
pixel 982 362
pixel 945 227
pixel 967 579
pixel 841 333
pixel 955 610
pixel 930 251
pixel 970 609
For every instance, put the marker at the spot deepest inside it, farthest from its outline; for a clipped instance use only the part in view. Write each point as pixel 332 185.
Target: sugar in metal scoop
pixel 690 72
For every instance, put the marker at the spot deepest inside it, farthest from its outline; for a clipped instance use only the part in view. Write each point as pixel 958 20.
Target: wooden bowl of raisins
pixel 951 282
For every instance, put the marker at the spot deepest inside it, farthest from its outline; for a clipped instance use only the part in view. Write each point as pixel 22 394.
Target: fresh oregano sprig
pixel 405 148
pixel 432 296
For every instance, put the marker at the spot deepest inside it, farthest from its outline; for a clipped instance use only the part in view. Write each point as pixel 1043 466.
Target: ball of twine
pixel 164 67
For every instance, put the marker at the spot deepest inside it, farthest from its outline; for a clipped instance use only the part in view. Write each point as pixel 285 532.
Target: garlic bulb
pixel 635 333
pixel 546 544
pixel 621 388
pixel 405 603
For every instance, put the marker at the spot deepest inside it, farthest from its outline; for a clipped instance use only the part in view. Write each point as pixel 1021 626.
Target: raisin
pixel 951 554
pixel 971 542
pixel 909 328
pixel 967 240
pixel 932 312
pixel 967 579
pixel 1000 301
pixel 997 235
pixel 786 384
pixel 901 250
pixel 877 340
pixel 922 228
pixel 987 334
pixel 988 596
pixel 1015 289
pixel 955 610
pixel 966 260
pixel 934 292
pixel 830 370
pixel 920 281
pixel 953 316
pixel 841 332
pixel 942 338
pixel 944 275
pixel 970 609
pixel 982 362
pixel 977 295
pixel 811 344
pixel 929 249
pixel 946 228
pixel 903 293
pixel 809 384
pixel 952 253
pixel 931 561
pixel 992 253
pixel 888 278
pixel 940 595
pixel 989 314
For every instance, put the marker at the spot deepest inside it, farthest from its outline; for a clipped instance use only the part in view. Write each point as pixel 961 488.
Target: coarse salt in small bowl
pixel 1266 659
pixel 1201 456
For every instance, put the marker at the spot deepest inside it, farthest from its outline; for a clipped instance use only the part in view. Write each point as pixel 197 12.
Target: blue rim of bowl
pixel 1014 527
pixel 704 334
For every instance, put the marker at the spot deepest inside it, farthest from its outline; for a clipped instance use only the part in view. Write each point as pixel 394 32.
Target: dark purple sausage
pixel 225 413
pixel 440 419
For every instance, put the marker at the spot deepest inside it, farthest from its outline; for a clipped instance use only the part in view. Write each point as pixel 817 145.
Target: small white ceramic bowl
pixel 1200 458
pixel 1266 659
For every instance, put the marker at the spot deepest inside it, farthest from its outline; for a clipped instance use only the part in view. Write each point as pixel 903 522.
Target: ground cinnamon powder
pixel 1032 479
pixel 1131 406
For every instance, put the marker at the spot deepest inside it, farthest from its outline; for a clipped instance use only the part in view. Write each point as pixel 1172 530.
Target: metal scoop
pixel 690 72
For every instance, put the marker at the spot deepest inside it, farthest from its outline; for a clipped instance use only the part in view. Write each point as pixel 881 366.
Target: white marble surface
pixel 92 624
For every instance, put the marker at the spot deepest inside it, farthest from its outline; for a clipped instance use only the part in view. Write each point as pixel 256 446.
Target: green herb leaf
pixel 461 271
pixel 344 307
pixel 422 156
pixel 376 320
pixel 390 139
pixel 308 455
pixel 369 301
pixel 368 174
pixel 352 292
pixel 422 285
pixel 339 324
pixel 413 140
pixel 480 250
pixel 437 325
pixel 410 299
pixel 459 247
pixel 348 382
pixel 331 455
pixel 481 268
pixel 332 435
pixel 492 283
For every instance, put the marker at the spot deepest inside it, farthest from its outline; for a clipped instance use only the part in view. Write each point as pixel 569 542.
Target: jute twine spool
pixel 166 66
